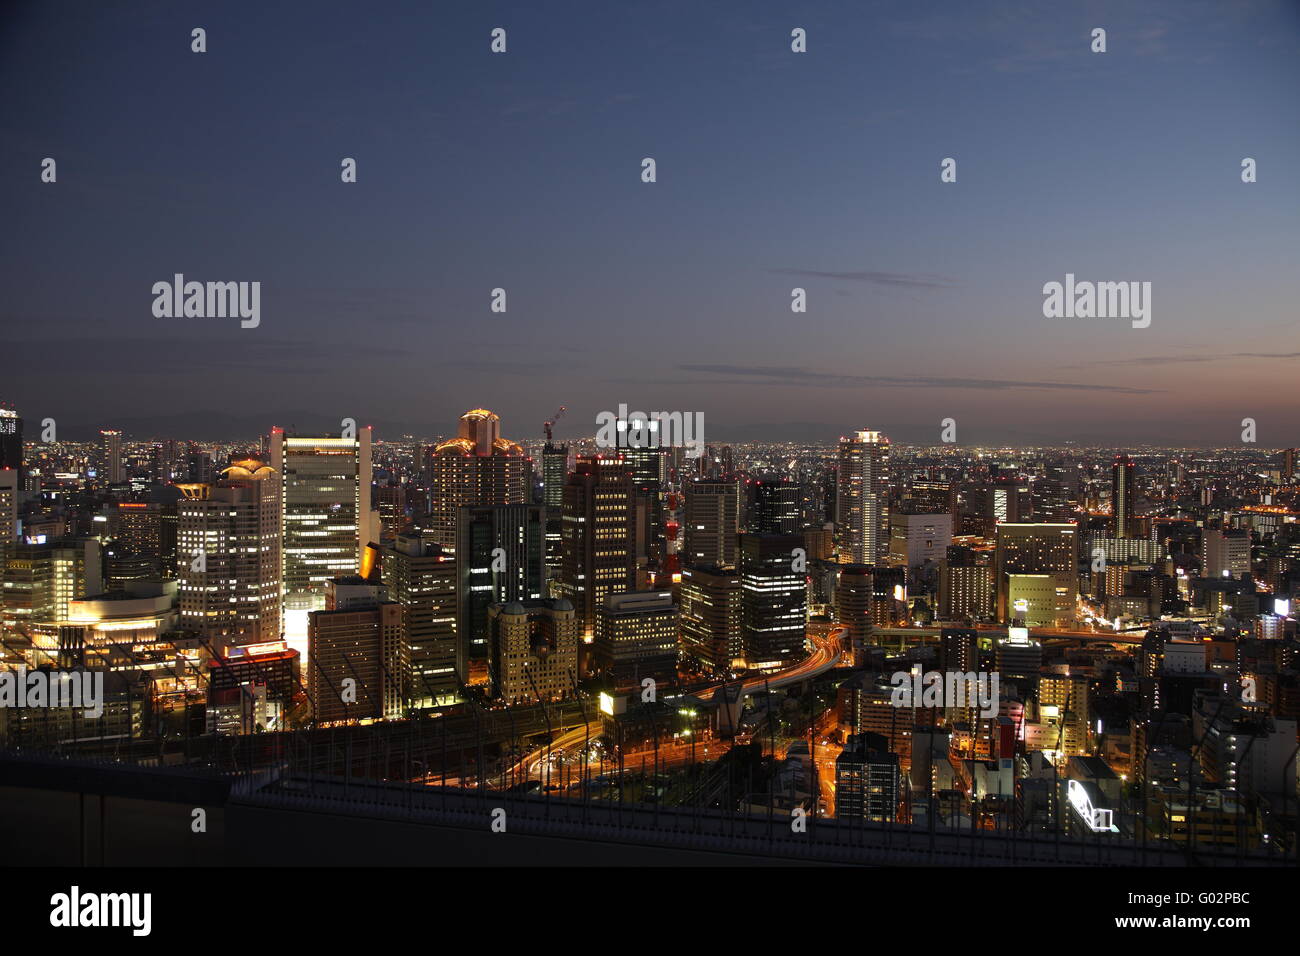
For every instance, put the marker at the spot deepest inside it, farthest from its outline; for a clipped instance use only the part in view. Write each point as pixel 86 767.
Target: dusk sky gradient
pixel 775 170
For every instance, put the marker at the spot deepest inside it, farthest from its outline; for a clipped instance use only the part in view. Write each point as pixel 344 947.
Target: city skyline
pixel 855 433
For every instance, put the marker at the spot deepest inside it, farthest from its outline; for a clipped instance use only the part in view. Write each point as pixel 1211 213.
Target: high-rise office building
pixel 422 578
pixel 649 471
pixel 198 465
pixel 168 462
pixel 533 650
pixel 636 638
pixel 358 660
pixel 928 496
pixel 711 616
pixel 1225 552
pixel 326 513
pixel 9 488
pixel 1065 708
pixel 114 471
pixel 11 439
pixel 1003 499
pixel 40 580
pixel 228 555
pixel 599 538
pixel 500 552
pixel 777 507
pixel 1122 495
pixel 390 502
pixel 918 538
pixel 867 777
pixel 477 467
pixel 774 600
pixel 712 522
pixel 966 590
pixel 959 649
pixel 854 591
pixel 555 469
pixel 862 497
pixel 1018 656
pixel 1038 549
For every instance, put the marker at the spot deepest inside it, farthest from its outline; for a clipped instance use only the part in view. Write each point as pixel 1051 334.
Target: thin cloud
pixel 795 375
pixel 1186 359
pixel 924 280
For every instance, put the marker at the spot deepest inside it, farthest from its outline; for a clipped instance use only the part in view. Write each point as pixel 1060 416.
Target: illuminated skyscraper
pixel 228 555
pixel 777 507
pixel 636 638
pixel 1027 550
pixel 774 600
pixel 327 518
pixel 862 497
pixel 555 469
pixel 1225 552
pixel 11 439
pixel 478 467
pixel 422 578
pixel 8 506
pixel 649 469
pixel 1122 495
pixel 534 650
pixel 599 536
pixel 711 616
pixel 712 523
pixel 113 471
pixel 41 579
pixel 500 553
pixel 359 661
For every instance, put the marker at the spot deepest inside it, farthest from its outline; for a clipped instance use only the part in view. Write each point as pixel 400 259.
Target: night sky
pixel 775 170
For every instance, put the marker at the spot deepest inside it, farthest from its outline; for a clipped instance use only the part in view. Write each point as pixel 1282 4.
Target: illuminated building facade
pixel 555 469
pixel 500 557
pixel 712 523
pixel 422 577
pixel 533 651
pixel 478 467
pixel 777 507
pixel 599 537
pixel 41 580
pixel 1038 549
pixel 327 519
pixel 1225 552
pixel 862 497
pixel 774 600
pixel 11 439
pixel 9 488
pixel 711 616
pixel 636 638
pixel 1064 708
pixel 114 471
pixel 358 662
pixel 1123 489
pixel 229 560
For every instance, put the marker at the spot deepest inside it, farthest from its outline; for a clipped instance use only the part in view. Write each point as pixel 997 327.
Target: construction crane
pixel 554 418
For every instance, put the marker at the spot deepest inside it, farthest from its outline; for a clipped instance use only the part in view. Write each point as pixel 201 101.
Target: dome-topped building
pixel 477 467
